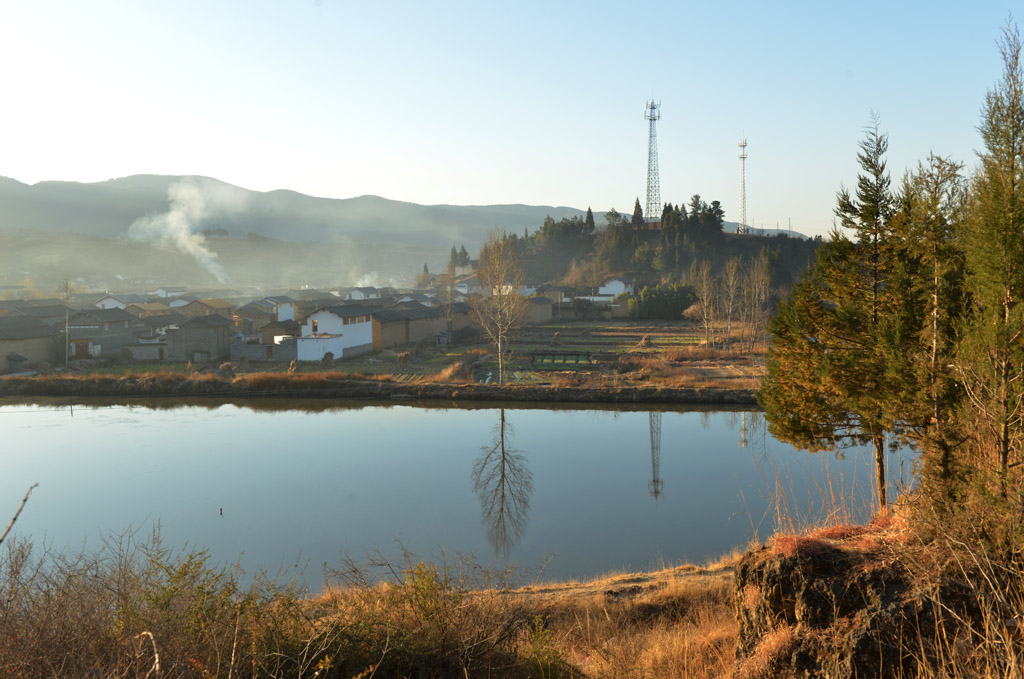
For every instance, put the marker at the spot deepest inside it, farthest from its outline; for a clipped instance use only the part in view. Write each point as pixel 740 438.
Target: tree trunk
pixel 879 441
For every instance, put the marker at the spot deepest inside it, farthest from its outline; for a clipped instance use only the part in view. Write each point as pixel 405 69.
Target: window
pixel 315 326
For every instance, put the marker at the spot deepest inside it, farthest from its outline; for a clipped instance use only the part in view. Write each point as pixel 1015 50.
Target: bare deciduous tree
pixel 499 308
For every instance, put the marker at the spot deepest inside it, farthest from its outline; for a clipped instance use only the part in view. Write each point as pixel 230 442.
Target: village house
pixel 342 330
pixel 169 291
pixel 25 342
pixel 284 306
pixel 207 307
pixel 159 325
pixel 53 315
pixel 177 303
pixel 100 332
pixel 203 338
pixel 275 332
pixel 250 317
pixel 120 300
pixel 396 327
pixel 540 310
pixel 143 309
pixel 365 292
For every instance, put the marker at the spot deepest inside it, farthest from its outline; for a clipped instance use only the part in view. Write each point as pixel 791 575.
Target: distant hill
pixel 107 209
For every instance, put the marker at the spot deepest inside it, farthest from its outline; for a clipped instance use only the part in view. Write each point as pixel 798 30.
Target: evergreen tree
pixel 453 258
pixel 588 223
pixel 638 215
pixel 991 361
pixel 463 256
pixel 832 326
pixel 920 341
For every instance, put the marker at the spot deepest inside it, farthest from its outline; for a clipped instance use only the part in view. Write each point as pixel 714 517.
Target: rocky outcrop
pixel 815 606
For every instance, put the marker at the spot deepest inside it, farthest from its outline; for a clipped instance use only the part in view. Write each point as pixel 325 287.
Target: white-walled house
pixel 363 293
pixel 285 307
pixel 169 291
pixel 120 301
pixel 343 330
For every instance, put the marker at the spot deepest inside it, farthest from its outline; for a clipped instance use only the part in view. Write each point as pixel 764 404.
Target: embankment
pixel 345 386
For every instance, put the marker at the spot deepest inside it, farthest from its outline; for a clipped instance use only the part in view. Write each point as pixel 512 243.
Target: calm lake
pixel 265 487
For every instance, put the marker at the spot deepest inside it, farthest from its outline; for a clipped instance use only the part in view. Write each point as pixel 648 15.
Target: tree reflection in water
pixel 504 484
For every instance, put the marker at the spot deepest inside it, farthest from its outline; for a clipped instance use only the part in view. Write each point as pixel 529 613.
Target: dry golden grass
pixel 458 373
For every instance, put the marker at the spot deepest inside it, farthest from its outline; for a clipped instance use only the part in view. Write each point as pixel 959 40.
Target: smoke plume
pixel 190 204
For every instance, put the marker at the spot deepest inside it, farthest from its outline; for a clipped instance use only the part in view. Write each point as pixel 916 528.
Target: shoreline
pixel 342 386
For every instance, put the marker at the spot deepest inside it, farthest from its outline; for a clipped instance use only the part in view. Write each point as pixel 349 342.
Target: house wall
pixel 110 304
pixel 35 349
pixel 285 351
pixel 537 314
pixel 390 334
pixel 329 324
pixel 424 328
pixel 149 352
pixel 199 342
pixel 269 333
pixel 286 312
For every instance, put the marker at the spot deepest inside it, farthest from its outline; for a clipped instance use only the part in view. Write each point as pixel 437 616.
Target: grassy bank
pixel 334 384
pixel 134 610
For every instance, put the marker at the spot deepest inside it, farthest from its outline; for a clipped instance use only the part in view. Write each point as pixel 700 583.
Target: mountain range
pixel 107 210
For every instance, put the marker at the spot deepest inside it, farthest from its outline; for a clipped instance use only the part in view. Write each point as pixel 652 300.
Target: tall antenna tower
pixel 742 228
pixel 653 212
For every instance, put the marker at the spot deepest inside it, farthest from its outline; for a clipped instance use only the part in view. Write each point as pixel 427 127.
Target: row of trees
pixel 740 293
pixel 913 325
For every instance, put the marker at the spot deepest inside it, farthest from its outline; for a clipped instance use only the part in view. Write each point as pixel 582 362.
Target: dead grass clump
pixel 769 654
pixel 564 379
pixel 458 372
pixel 693 352
pixel 680 627
pixel 798 546
pixel 839 532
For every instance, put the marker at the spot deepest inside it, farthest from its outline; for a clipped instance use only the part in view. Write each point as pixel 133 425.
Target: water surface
pixel 271 488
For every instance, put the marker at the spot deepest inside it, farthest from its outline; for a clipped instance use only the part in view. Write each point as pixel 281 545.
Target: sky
pixel 477 103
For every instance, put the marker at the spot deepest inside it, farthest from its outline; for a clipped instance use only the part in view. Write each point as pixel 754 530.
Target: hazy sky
pixel 494 102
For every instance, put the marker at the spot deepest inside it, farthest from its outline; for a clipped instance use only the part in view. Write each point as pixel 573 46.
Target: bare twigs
pixel 14 518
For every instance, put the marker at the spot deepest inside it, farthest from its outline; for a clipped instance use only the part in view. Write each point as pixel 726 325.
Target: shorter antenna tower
pixel 652 114
pixel 742 227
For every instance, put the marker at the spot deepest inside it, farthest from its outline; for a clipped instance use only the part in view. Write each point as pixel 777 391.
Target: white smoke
pixel 190 204
pixel 375 280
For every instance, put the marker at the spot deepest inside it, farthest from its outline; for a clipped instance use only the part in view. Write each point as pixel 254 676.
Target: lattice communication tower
pixel 652 113
pixel 742 227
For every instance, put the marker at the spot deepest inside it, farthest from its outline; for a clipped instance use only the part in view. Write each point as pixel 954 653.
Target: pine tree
pixel 453 258
pixel 920 337
pixel 589 222
pixel 831 328
pixel 638 215
pixel 991 361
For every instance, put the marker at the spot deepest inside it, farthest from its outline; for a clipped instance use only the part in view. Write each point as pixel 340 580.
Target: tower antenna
pixel 742 227
pixel 652 113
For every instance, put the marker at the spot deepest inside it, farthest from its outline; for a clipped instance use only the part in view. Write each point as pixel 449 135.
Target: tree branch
pixel 17 513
